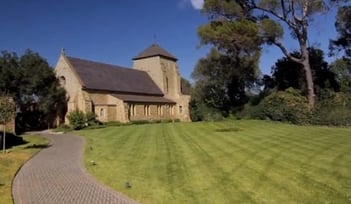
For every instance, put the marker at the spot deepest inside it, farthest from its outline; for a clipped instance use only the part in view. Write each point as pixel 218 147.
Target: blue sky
pixel 114 31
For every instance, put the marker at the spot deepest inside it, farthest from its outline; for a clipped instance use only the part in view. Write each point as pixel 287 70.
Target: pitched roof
pixel 106 77
pixel 155 50
pixel 140 98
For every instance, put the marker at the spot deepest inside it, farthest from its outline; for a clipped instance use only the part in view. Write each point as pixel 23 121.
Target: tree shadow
pixel 233 129
pixel 38 146
pixel 12 140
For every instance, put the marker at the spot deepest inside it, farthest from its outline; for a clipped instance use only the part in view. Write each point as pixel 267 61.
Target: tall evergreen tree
pixel 32 83
pixel 240 25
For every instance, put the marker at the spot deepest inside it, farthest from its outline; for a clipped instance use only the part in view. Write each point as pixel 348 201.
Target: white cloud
pixel 197 4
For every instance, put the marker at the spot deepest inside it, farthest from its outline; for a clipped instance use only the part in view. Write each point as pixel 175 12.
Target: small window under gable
pixel 102 112
pixel 62 80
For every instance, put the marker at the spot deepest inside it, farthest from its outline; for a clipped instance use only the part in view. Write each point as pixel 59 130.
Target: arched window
pixel 102 112
pixel 146 110
pixel 180 109
pixel 62 80
pixel 166 84
pixel 132 109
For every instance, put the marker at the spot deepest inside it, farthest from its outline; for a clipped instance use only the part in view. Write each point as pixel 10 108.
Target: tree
pixel 185 86
pixel 243 23
pixel 7 113
pixel 231 67
pixel 31 82
pixel 221 81
pixel 342 70
pixel 343 27
pixel 287 73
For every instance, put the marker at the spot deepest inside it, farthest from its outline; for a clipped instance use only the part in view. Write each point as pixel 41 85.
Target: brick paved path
pixel 56 176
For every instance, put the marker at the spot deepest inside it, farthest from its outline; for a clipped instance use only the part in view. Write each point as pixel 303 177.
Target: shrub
pixel 288 105
pixel 77 119
pixel 62 128
pixel 112 123
pixel 201 112
pixel 139 122
pixel 90 118
pixel 177 120
pixel 333 110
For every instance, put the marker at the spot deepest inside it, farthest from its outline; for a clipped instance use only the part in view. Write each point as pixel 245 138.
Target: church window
pixel 146 110
pixel 159 110
pixel 180 109
pixel 132 109
pixel 62 80
pixel 171 110
pixel 166 84
pixel 102 112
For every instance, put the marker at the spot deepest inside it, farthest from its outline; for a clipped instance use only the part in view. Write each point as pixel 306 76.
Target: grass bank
pixel 223 162
pixel 13 160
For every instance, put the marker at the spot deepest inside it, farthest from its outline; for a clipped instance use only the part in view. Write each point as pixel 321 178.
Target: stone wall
pixel 69 80
pixel 164 72
pixel 166 75
pixel 149 111
pixel 151 66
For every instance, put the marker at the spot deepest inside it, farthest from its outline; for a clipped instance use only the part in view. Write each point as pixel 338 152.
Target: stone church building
pixel 151 90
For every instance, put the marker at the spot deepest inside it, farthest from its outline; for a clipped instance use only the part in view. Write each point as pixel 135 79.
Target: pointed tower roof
pixel 155 50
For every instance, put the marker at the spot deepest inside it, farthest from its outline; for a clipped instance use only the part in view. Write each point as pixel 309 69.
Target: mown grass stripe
pixel 224 185
pixel 227 162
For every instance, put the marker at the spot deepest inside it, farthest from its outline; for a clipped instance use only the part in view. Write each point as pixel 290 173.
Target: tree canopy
pixel 32 83
pixel 343 27
pixel 287 73
pixel 239 27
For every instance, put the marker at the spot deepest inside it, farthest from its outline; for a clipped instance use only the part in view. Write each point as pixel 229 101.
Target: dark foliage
pixel 343 27
pixel 33 85
pixel 286 73
pixel 285 106
pixel 77 120
pixel 334 109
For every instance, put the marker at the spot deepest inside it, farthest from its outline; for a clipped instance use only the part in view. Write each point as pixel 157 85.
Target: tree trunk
pixel 309 78
pixel 4 139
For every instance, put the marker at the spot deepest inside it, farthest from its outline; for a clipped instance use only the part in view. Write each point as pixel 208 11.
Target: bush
pixel 62 128
pixel 200 112
pixel 333 110
pixel 76 119
pixel 112 123
pixel 286 106
pixel 177 120
pixel 90 118
pixel 139 122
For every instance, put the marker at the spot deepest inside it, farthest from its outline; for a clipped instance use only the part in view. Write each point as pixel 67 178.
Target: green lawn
pixel 223 162
pixel 12 161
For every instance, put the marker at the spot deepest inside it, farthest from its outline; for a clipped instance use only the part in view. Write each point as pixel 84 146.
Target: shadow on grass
pixel 38 146
pixel 228 130
pixel 12 140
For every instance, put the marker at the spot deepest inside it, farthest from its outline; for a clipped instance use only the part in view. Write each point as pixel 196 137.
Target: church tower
pixel 162 68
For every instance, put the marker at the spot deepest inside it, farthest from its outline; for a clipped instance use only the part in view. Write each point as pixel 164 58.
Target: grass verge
pixel 223 162
pixel 13 160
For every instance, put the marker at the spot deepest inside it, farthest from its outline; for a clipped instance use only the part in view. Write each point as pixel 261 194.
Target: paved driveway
pixel 56 175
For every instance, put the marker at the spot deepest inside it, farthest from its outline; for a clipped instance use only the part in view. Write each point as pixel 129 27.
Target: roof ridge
pixel 104 63
pixel 107 77
pixel 154 50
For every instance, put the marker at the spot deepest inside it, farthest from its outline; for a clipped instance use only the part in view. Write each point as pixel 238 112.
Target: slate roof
pixel 140 98
pixel 106 77
pixel 155 50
